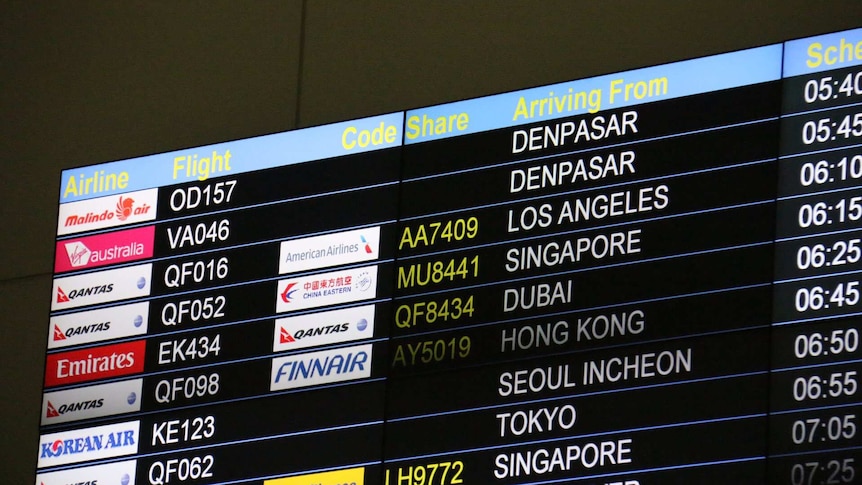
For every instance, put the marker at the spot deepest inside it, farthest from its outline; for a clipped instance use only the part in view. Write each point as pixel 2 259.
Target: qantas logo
pixel 288 292
pixel 92 290
pixel 312 332
pixel 80 330
pixel 56 412
pixel 286 338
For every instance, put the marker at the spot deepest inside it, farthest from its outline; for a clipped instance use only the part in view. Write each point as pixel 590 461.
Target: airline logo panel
pixel 322 367
pixel 329 250
pixel 104 249
pixel 102 287
pixel 353 476
pixel 95 363
pixel 105 212
pixel 119 473
pixel 88 444
pixel 98 325
pixel 316 329
pixel 326 289
pixel 91 402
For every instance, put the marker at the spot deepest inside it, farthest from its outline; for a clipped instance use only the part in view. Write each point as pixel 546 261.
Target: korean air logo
pixel 288 292
pixel 78 253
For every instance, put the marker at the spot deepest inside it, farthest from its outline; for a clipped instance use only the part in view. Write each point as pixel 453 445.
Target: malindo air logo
pixel 123 211
pixel 102 287
pixel 88 444
pixel 99 213
pixel 315 329
pixel 91 402
pixel 322 367
pixel 104 249
pixel 354 246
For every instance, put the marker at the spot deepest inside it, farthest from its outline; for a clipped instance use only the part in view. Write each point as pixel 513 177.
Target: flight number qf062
pixel 444 473
pixel 427 234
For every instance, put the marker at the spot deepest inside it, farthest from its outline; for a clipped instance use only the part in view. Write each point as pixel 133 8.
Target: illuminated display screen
pixel 645 277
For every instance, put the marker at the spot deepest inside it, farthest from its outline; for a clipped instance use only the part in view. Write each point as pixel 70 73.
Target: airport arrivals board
pixel 645 277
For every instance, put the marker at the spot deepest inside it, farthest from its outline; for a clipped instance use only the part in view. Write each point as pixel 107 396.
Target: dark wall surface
pixel 92 81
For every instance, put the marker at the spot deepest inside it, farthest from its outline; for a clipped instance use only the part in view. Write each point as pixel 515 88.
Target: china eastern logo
pixel 289 291
pixel 327 289
pixel 88 444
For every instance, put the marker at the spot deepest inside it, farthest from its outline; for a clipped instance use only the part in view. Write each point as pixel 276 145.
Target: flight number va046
pixel 193 197
pixel 445 473
pixel 181 469
pixel 198 234
pixel 193 310
pixel 176 275
pixel 430 312
pixel 181 431
pixel 172 351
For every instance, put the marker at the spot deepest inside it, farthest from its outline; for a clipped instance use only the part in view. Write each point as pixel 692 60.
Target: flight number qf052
pixel 444 473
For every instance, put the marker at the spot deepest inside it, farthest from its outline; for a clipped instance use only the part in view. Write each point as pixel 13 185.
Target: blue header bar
pixel 591 95
pixel 233 157
pixel 823 53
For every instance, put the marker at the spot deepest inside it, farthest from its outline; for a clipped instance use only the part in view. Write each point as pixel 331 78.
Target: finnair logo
pixel 323 367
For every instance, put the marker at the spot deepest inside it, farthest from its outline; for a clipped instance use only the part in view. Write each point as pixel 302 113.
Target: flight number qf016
pixel 428 234
pixel 443 473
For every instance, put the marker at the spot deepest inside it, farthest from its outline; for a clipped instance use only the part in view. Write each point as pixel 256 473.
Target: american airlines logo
pixel 322 367
pixel 88 444
pixel 104 249
pixel 117 473
pixel 105 212
pixel 316 252
pixel 323 328
pixel 95 363
pixel 97 325
pixel 102 287
pixel 91 402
